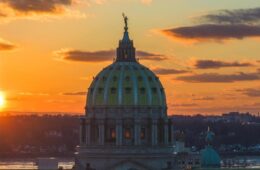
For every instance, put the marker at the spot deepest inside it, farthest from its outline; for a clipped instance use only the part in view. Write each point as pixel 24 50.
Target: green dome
pixel 210 158
pixel 126 84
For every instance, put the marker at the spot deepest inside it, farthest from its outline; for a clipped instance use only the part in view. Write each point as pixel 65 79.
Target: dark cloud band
pixel 38 6
pixel 214 31
pixel 164 71
pixel 75 93
pixel 219 78
pixel 103 55
pixel 212 64
pixel 250 92
pixel 239 16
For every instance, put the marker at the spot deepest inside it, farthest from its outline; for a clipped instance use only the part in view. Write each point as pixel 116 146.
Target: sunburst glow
pixel 2 100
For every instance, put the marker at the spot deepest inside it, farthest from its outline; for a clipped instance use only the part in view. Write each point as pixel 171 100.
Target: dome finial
pixel 126 22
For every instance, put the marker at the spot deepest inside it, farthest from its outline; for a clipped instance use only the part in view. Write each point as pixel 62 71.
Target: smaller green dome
pixel 210 158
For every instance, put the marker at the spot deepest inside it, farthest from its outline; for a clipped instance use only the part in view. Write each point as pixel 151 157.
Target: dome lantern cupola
pixel 126 50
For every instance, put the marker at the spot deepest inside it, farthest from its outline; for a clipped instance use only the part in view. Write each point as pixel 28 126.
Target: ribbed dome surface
pixel 126 84
pixel 210 158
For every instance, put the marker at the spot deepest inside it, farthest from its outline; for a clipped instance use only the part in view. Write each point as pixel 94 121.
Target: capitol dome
pixel 126 124
pixel 126 84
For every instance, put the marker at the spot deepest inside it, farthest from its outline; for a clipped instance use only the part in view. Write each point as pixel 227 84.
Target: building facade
pixel 125 126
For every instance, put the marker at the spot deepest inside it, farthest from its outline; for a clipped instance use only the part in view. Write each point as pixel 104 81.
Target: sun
pixel 2 99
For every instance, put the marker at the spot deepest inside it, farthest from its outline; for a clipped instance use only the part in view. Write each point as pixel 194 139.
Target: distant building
pixel 209 157
pixel 237 117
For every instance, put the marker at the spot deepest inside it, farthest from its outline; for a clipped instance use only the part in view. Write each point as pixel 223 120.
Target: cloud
pixel 210 64
pixel 250 92
pixel 204 98
pixel 165 71
pixel 220 25
pixel 150 56
pixel 220 78
pixel 5 45
pixel 214 32
pixel 102 55
pixel 31 9
pixel 75 93
pixel 237 16
pixel 86 56
pixel 185 105
pixel 37 6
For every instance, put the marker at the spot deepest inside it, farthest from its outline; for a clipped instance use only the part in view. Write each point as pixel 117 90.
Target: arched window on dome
pixel 154 90
pixel 140 78
pixel 114 78
pixel 100 90
pixel 128 90
pixel 150 78
pixel 127 78
pixel 104 78
pixel 142 90
pixel 113 90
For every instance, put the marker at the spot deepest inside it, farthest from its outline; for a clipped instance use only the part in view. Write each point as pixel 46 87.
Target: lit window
pixel 128 133
pixel 112 133
pixel 143 133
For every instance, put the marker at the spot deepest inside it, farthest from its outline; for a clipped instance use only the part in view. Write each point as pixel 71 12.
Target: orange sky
pixel 206 53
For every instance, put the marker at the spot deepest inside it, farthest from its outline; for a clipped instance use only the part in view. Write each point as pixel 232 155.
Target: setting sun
pixel 2 99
